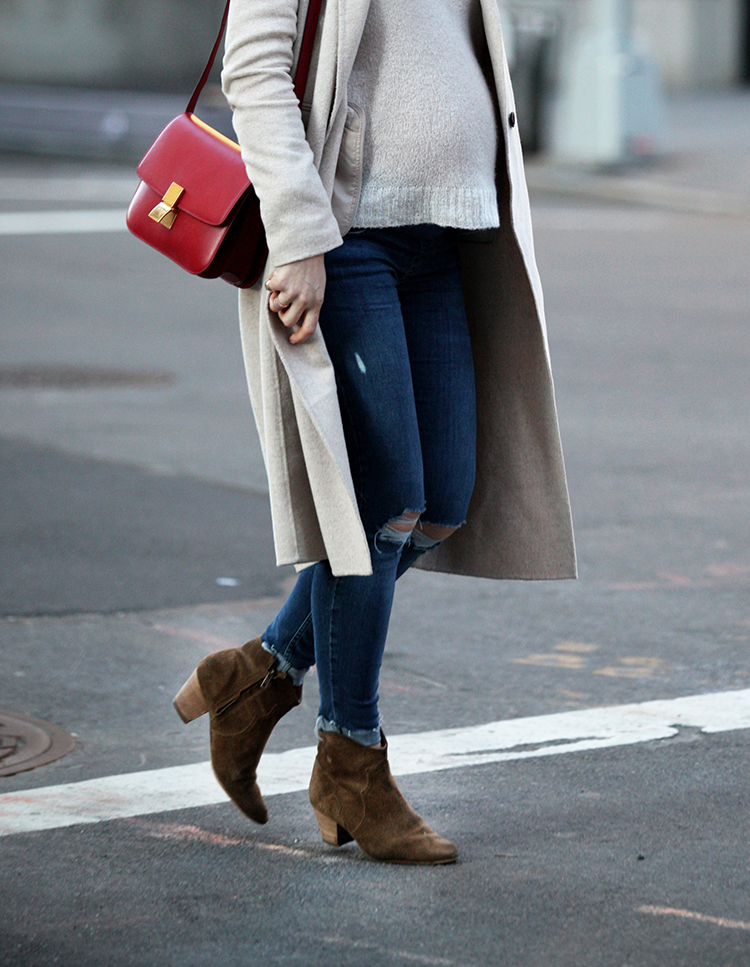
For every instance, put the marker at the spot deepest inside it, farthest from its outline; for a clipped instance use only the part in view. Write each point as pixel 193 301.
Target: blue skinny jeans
pixel 395 327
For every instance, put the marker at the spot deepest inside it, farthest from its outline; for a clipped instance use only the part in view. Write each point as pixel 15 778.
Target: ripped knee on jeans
pixel 398 530
pixel 425 536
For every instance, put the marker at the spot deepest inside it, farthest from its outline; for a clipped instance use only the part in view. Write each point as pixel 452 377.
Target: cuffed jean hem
pixel 284 666
pixel 362 736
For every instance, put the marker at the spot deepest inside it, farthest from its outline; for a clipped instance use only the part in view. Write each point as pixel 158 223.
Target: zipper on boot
pixel 258 685
pixel 190 704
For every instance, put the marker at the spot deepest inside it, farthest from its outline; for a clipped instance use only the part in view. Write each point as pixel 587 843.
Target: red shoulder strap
pixel 303 63
pixel 305 53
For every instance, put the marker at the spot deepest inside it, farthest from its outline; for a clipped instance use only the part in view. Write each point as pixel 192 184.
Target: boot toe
pixel 429 849
pixel 247 798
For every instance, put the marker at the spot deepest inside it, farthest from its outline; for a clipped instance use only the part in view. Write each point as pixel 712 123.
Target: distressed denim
pixel 395 327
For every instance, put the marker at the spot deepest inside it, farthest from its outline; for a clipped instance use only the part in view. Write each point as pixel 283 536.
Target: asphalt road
pixel 131 481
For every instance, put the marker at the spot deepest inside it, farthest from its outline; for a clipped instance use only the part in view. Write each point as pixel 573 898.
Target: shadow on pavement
pixel 82 535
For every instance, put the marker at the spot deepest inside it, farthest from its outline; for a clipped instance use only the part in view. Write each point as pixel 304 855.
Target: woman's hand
pixel 297 291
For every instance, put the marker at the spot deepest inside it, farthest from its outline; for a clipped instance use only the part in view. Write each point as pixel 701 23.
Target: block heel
pixel 189 701
pixel 245 696
pixel 332 833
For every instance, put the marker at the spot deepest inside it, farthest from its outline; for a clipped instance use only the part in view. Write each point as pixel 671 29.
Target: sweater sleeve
pixel 257 81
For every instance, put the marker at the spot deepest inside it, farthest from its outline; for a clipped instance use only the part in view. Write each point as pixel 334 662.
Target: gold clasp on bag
pixel 165 212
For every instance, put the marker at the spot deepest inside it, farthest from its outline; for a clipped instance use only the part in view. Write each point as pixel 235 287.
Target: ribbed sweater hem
pixel 467 208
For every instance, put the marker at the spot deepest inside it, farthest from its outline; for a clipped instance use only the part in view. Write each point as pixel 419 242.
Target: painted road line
pixel 62 223
pixel 698 917
pixel 184 787
pixel 68 190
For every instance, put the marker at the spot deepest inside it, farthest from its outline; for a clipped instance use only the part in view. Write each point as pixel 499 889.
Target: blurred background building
pixel 111 69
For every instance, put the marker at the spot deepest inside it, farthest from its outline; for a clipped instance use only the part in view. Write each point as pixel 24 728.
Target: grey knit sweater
pixel 430 134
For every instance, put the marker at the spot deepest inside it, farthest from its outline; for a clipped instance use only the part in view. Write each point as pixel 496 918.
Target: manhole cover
pixel 79 377
pixel 26 743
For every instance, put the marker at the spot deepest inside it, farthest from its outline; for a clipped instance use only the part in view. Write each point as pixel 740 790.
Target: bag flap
pixel 207 165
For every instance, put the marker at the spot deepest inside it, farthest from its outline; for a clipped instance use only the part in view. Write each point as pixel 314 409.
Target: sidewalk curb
pixel 119 126
pixel 578 183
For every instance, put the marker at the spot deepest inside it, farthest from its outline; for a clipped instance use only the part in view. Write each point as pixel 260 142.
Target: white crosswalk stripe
pixel 62 223
pixel 183 787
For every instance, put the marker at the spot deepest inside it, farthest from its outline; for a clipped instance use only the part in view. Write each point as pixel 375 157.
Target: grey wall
pixel 161 45
pixel 156 45
pixel 695 43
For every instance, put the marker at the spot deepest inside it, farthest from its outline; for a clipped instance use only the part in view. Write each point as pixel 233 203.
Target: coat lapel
pixel 351 17
pixel 494 32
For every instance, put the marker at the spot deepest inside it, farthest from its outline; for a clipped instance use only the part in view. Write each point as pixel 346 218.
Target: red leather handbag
pixel 195 203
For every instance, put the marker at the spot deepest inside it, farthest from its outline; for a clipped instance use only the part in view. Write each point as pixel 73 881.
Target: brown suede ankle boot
pixel 354 796
pixel 246 697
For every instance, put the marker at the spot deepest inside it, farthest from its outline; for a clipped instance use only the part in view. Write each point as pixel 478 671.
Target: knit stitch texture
pixel 430 131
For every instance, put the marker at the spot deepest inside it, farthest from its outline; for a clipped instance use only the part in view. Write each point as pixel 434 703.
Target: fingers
pixel 277 303
pixel 302 323
pixel 302 331
pixel 296 295
pixel 294 316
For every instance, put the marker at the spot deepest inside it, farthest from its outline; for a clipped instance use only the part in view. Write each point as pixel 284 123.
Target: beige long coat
pixel 307 176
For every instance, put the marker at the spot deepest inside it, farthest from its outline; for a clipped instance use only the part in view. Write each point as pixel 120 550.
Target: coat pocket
pixel 347 184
